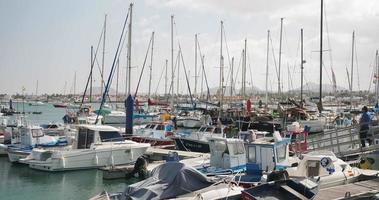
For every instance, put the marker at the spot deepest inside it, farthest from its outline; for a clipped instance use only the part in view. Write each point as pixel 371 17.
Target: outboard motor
pixel 140 168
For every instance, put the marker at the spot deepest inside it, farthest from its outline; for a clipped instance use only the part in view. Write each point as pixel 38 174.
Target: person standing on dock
pixel 364 126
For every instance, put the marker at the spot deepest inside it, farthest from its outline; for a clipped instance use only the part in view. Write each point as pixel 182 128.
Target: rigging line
pixel 175 66
pixel 329 44
pixel 156 90
pixel 112 69
pixel 327 75
pixel 185 72
pixel 203 66
pixel 273 54
pixel 251 71
pixel 356 64
pixel 143 66
pixel 372 74
pixel 92 63
pixel 238 69
pixel 229 60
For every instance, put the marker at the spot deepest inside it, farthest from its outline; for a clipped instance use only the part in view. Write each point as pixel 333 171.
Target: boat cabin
pixel 317 164
pixel 156 130
pixel 227 154
pixel 267 154
pixel 96 134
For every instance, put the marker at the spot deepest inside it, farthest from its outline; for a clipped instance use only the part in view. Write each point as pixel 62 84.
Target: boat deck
pixel 188 158
pixel 339 192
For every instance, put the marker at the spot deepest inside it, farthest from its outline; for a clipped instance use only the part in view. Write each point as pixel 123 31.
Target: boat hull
pixel 16 155
pixel 185 144
pixel 153 141
pixel 87 158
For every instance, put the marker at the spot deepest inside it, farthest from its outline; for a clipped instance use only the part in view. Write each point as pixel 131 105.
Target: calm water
pixel 19 182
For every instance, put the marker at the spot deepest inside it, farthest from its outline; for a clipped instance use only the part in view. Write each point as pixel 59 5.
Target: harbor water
pixel 19 182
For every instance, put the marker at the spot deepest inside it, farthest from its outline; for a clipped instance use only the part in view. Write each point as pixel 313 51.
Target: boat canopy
pixel 168 180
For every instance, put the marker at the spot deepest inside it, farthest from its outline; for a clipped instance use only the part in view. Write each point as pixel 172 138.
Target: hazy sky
pixel 49 40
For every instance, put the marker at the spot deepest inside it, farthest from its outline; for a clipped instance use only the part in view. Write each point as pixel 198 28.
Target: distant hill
pixel 313 87
pixel 97 91
pixel 249 90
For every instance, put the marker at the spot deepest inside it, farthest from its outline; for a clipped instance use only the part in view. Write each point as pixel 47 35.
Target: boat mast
pixel 128 77
pixel 195 91
pixel 172 61
pixel 377 76
pixel 267 55
pixel 177 78
pixel 244 71
pixel 151 62
pixel 302 68
pixel 165 79
pixel 102 62
pixel 37 88
pixel 321 34
pixel 117 77
pixel 90 88
pixel 74 83
pixel 231 77
pixel 280 55
pixel 351 72
pixel 221 71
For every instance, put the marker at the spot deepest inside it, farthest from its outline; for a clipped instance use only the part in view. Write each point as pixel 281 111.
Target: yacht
pixel 198 141
pixel 95 146
pixel 158 133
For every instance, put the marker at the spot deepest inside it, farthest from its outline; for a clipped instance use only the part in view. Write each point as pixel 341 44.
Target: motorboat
pixel 95 146
pixel 331 170
pixel 195 120
pixel 24 139
pixel 198 141
pixel 157 134
pixel 174 180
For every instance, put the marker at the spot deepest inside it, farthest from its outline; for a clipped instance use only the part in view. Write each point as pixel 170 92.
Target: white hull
pixel 191 123
pixel 15 156
pixel 87 158
pixel 121 119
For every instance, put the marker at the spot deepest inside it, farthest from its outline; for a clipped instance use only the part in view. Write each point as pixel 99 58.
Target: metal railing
pixel 344 141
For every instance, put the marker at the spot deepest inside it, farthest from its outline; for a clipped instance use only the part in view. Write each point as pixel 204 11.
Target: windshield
pixel 107 136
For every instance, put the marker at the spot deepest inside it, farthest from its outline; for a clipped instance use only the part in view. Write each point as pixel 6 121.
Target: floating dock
pixel 348 190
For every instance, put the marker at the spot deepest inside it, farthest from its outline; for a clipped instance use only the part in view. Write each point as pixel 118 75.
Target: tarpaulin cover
pixel 168 180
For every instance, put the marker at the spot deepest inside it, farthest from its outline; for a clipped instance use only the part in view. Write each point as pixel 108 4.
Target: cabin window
pixel 37 133
pixel 209 129
pixel 217 130
pixel 313 168
pixel 160 127
pixel 147 126
pixel 251 155
pixel 236 148
pixel 281 152
pixel 107 136
pixel 202 129
pixel 85 138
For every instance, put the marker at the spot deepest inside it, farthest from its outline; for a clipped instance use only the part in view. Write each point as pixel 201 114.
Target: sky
pixel 49 41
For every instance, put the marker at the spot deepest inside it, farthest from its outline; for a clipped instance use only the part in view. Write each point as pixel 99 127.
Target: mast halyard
pixel 195 91
pixel 102 62
pixel 280 56
pixel 267 55
pixel 352 70
pixel 129 57
pixel 151 63
pixel 221 88
pixel 320 107
pixel 302 69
